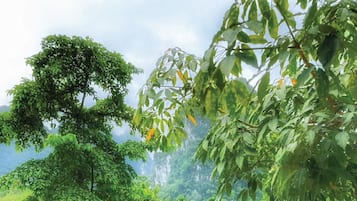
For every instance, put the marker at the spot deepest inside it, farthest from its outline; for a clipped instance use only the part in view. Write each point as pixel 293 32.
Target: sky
pixel 141 30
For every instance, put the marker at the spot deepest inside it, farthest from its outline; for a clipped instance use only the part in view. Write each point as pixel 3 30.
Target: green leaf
pixel 257 39
pixel 253 15
pixel 264 8
pixel 237 68
pixel 284 4
pixel 220 167
pixel 273 124
pixel 273 25
pixel 230 35
pixel 263 86
pixel 222 152
pixel 310 136
pixel 227 64
pixel 243 37
pixel 342 139
pixel 240 161
pixel 204 145
pixel 322 83
pixel 303 3
pixel 327 50
pixel 255 26
pixel 211 101
pixel 310 16
pixel 303 76
pixel 352 84
pixel 248 56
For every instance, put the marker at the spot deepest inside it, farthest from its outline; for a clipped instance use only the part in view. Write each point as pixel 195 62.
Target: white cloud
pixel 139 29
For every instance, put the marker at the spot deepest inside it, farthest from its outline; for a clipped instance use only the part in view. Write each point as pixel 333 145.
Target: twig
pixel 247 124
pixel 297 44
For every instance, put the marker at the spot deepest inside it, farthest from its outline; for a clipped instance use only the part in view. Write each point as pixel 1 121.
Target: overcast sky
pixel 141 30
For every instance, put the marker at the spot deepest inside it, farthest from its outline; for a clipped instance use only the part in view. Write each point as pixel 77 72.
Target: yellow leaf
pixel 293 82
pixel 150 134
pixel 280 83
pixel 192 119
pixel 179 73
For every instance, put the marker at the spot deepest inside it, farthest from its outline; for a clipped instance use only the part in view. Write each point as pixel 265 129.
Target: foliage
pixel 186 177
pixel 289 130
pixel 12 195
pixel 78 86
pixel 142 190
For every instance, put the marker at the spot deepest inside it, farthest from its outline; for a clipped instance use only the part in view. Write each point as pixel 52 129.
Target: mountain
pixel 180 175
pixel 4 108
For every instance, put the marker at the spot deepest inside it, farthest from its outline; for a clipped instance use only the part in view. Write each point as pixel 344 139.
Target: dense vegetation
pixel 186 177
pixel 286 133
pixel 289 131
pixel 85 162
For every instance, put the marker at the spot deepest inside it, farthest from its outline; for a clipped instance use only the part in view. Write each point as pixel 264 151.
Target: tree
pixel 289 130
pixel 78 87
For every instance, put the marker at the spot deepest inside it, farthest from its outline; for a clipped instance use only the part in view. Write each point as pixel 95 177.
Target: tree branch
pixel 297 44
pixel 263 48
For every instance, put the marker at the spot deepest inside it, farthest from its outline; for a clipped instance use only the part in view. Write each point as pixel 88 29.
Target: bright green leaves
pixel 54 140
pixel 163 100
pixel 263 86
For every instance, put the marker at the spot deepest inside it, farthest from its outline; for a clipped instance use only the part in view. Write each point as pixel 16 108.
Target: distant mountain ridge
pixel 4 108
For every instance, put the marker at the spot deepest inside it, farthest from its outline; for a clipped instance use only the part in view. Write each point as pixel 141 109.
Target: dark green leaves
pixel 263 86
pixel 327 50
pixel 273 25
pixel 322 83
pixel 264 8
pixel 247 55
pixel 86 164
pixel 253 15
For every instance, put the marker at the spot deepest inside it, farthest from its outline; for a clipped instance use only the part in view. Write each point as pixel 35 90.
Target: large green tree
pixel 77 87
pixel 290 130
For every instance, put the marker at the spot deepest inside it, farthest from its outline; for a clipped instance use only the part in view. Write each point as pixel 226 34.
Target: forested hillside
pixel 179 174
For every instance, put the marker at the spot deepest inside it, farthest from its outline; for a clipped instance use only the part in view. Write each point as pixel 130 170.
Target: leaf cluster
pixel 289 131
